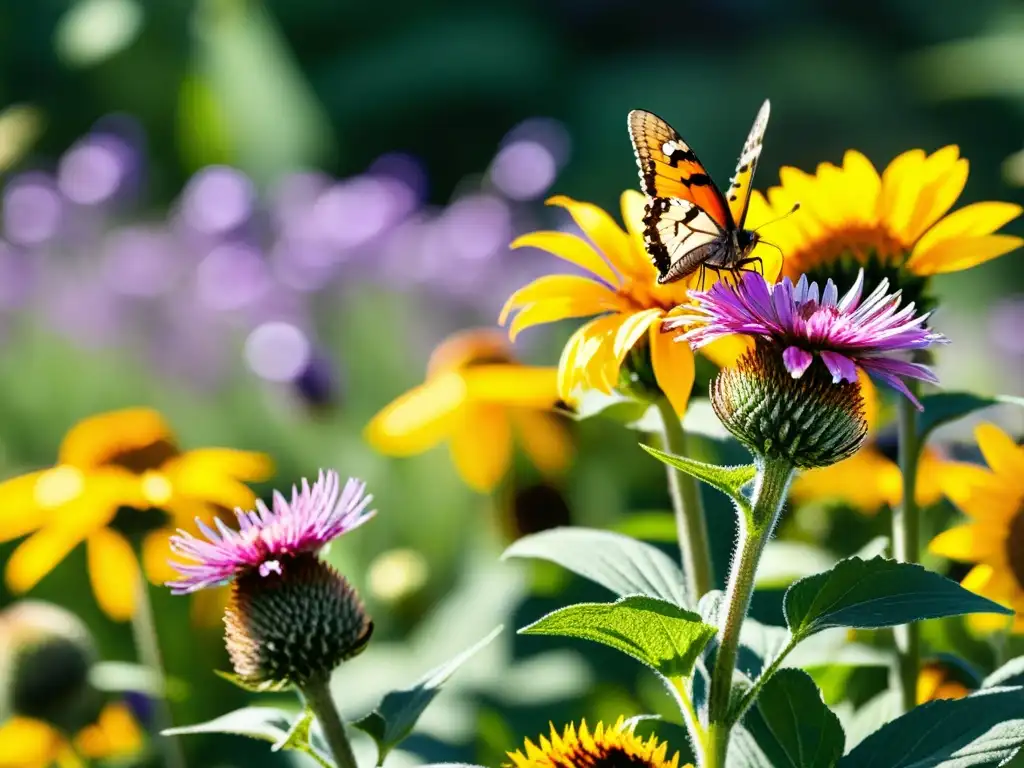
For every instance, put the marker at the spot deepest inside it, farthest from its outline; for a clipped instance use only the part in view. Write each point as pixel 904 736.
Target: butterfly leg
pixel 742 264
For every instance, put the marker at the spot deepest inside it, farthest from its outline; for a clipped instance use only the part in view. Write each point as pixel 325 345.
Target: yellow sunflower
pixel 28 743
pixel 621 289
pixel 993 539
pixel 475 395
pixel 938 680
pixel 896 220
pixel 120 484
pixel 617 745
pixel 869 479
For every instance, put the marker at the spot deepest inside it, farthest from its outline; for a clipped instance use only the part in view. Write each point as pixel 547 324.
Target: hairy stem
pixel 691 526
pixel 147 645
pixel 756 526
pixel 318 697
pixel 906 545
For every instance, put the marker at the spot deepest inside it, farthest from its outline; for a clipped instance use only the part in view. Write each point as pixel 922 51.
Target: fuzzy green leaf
pixel 299 739
pixel 986 728
pixel 792 725
pixel 655 632
pixel 876 593
pixel 615 561
pixel 397 714
pixel 729 480
pixel 944 407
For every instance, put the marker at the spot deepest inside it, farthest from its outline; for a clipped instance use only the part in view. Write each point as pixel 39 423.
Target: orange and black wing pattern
pixel 738 195
pixel 670 168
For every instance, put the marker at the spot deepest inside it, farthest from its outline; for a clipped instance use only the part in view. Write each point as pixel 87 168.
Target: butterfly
pixel 688 223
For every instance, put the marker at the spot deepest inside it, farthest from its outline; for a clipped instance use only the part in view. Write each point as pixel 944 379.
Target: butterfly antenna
pixel 794 209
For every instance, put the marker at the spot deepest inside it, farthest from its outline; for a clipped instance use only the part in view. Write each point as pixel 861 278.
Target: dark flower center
pixel 844 268
pixel 144 458
pixel 602 757
pixel 1015 547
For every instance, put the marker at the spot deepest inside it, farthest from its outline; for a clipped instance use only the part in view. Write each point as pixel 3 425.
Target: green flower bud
pixel 810 421
pixel 294 624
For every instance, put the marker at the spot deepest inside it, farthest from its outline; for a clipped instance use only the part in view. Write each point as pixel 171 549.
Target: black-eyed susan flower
pixel 621 290
pixel 942 679
pixel 121 485
pixel 897 223
pixel 616 745
pixel 476 397
pixel 291 618
pixel 871 478
pixel 30 743
pixel 993 539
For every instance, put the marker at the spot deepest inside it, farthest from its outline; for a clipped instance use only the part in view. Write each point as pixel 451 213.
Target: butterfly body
pixel 689 225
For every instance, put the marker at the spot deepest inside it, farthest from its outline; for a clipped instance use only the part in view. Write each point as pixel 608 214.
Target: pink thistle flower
pixel 845 333
pixel 313 518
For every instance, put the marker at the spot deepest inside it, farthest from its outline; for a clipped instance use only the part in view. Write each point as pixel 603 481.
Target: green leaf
pixel 396 715
pixel 299 739
pixel 1011 673
pixel 729 480
pixel 876 593
pixel 266 723
pixel 944 407
pixel 614 406
pixel 655 632
pixel 744 751
pixel 792 725
pixel 267 687
pixel 986 728
pixel 615 561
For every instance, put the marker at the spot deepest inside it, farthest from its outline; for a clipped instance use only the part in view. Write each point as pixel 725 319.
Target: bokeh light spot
pixel 277 351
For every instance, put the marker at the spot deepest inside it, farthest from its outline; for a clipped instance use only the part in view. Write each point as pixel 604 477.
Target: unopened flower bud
pixel 810 421
pixel 292 621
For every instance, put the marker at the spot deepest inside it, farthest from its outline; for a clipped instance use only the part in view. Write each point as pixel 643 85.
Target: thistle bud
pixel 810 421
pixel 293 621
pixel 46 654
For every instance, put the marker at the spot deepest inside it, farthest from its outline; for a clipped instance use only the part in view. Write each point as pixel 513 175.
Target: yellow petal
pixel 901 185
pixel 970 542
pixel 512 385
pixel 726 351
pixel 864 183
pixel 156 552
pixel 567 369
pixel 573 250
pixel 928 681
pixel 548 312
pixel 580 290
pixel 596 361
pixel 673 368
pixel 978 578
pixel 545 439
pixel 963 253
pixel 929 489
pixel 96 440
pixel 113 572
pixel 604 233
pixel 115 734
pixel 247 466
pixel 19 511
pixel 867 481
pixel 1001 453
pixel 203 476
pixel 637 263
pixel 28 743
pixel 633 327
pixel 467 347
pixel 979 493
pixel 945 177
pixel 43 550
pixel 420 418
pixel 970 221
pixel 481 446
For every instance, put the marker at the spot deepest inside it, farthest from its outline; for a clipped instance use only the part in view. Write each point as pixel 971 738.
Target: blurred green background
pixel 181 176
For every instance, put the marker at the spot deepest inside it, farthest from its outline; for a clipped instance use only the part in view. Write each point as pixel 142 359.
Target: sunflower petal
pixel 551 311
pixel 420 418
pixel 943 177
pixel 580 291
pixel 20 512
pixel 113 573
pixel 1001 453
pixel 977 492
pixel 204 475
pixel 572 249
pixel 567 370
pixel 481 446
pixel 867 481
pixel 29 743
pixel 864 185
pixel 156 552
pixel 114 734
pixel 633 327
pixel 901 185
pixel 636 262
pixel 972 220
pixel 545 439
pixel 673 365
pixel 960 253
pixel 512 385
pixel 604 233
pixel 968 543
pixel 599 368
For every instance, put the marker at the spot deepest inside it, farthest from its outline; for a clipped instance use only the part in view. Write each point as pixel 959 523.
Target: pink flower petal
pixel 797 360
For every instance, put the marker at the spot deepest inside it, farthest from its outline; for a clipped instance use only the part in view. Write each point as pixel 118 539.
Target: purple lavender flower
pixel 845 333
pixel 314 517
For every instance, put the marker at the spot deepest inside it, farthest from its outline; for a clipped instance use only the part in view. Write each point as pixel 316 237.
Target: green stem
pixel 756 526
pixel 906 544
pixel 148 646
pixel 318 697
pixel 737 712
pixel 691 526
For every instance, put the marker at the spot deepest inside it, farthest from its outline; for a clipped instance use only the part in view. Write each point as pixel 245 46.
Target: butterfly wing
pixel 679 236
pixel 738 194
pixel 669 168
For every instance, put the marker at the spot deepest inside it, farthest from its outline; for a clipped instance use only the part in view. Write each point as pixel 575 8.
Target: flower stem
pixel 318 698
pixel 906 544
pixel 691 526
pixel 148 646
pixel 756 526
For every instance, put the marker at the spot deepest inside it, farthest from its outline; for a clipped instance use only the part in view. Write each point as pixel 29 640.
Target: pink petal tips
pixel 315 516
pixel 845 333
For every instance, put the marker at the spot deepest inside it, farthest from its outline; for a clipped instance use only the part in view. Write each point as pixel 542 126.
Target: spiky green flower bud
pixel 810 421
pixel 294 622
